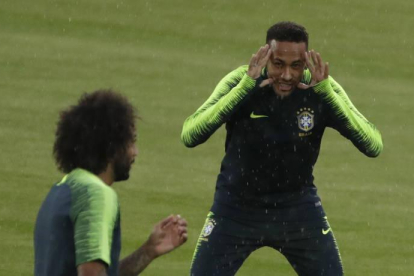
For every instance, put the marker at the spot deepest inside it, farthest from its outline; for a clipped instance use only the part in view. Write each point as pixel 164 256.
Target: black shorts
pixel 306 240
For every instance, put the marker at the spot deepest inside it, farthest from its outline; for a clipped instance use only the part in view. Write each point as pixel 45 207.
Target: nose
pixel 286 74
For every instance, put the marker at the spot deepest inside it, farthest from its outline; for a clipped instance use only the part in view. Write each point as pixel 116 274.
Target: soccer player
pixel 78 226
pixel 275 110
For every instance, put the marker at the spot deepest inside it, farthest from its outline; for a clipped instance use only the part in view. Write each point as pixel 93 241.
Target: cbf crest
pixel 208 228
pixel 305 119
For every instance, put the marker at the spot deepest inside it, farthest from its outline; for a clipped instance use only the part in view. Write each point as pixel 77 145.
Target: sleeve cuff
pixel 247 83
pixel 323 87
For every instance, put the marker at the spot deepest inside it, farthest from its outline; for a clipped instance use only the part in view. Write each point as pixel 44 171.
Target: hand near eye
pixel 258 62
pixel 319 69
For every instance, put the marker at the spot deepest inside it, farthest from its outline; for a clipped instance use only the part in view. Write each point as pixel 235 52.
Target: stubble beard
pixel 122 167
pixel 282 95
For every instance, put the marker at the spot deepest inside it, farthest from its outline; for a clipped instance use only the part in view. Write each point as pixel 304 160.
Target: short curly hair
pixel 287 31
pixel 91 133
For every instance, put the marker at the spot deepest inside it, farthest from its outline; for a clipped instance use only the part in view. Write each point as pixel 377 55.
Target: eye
pixel 296 66
pixel 277 63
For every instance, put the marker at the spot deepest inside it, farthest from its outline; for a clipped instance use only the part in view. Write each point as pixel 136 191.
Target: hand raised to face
pixel 319 69
pixel 258 62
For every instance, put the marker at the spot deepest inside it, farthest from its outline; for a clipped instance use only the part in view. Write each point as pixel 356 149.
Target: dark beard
pixel 121 169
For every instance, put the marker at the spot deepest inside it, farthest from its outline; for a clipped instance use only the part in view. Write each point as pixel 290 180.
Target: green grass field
pixel 167 56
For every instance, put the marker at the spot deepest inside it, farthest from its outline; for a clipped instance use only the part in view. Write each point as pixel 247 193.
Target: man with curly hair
pixel 78 226
pixel 275 110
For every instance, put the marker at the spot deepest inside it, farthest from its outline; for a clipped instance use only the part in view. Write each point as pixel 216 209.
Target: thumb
pixel 266 82
pixel 303 86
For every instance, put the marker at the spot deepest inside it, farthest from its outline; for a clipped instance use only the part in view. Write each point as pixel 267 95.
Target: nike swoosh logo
pixel 254 116
pixel 326 231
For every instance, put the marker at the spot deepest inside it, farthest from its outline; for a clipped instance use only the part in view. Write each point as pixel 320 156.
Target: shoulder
pixel 89 187
pixel 88 192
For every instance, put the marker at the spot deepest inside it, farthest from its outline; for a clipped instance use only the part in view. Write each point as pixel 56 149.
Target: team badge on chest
pixel 305 119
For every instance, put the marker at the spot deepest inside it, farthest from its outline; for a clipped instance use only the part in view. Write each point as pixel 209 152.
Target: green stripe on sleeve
pixel 227 95
pixel 94 212
pixel 348 120
pixel 341 92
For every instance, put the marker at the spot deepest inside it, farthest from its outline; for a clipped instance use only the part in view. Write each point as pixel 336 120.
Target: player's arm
pixel 228 95
pixel 167 235
pixel 92 269
pixel 348 120
pixel 230 92
pixel 344 115
pixel 94 213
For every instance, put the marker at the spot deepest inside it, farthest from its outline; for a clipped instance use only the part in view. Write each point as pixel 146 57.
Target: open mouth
pixel 285 87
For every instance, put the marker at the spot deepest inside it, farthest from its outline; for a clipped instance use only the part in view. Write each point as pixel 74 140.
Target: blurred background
pixel 167 57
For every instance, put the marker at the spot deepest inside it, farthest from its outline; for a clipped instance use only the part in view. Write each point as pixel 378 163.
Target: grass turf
pixel 167 56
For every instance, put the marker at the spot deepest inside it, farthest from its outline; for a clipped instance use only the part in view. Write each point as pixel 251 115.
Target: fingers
pixel 253 61
pixel 182 230
pixel 266 58
pixel 318 68
pixel 316 58
pixel 184 238
pixel 176 226
pixel 261 52
pixel 326 75
pixel 166 221
pixel 173 220
pixel 265 54
pixel 181 221
pixel 308 61
pixel 319 59
pixel 319 63
pixel 258 61
pixel 313 59
pixel 262 55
